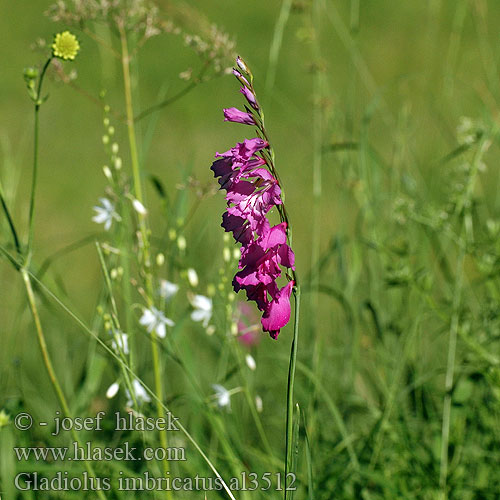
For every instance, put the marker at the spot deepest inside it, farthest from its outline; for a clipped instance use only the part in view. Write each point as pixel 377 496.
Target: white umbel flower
pixel 202 309
pixel 154 320
pixel 105 213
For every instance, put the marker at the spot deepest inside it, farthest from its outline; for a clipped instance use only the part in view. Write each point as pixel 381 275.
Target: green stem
pixel 130 116
pixel 291 382
pixel 34 179
pixel 50 369
pixel 450 371
pixel 10 221
pixel 144 236
pixel 171 100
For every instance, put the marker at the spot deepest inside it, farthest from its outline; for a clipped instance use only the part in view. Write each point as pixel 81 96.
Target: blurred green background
pixel 374 91
pixel 426 63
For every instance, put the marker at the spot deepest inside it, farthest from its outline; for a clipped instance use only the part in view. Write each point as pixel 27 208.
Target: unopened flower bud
pixel 181 243
pixel 234 328
pixel 112 390
pixel 258 404
pixel 242 65
pixel 160 260
pixel 30 73
pixel 139 207
pixel 192 277
pixel 107 172
pixel 250 361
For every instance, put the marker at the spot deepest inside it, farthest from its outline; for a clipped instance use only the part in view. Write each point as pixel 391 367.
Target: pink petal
pixel 277 314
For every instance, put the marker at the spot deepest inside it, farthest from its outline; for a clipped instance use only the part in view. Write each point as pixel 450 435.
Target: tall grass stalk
pixel 276 44
pixel 144 236
pixel 317 189
pixel 466 238
pixel 450 371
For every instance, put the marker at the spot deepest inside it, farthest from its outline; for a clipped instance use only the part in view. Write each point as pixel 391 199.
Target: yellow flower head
pixel 65 46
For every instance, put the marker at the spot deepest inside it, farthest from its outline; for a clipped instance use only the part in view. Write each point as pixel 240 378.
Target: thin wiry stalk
pixel 454 45
pixel 166 102
pixel 10 221
pixel 34 179
pixel 291 382
pixel 251 405
pixel 144 236
pixel 275 48
pixel 450 370
pixel 116 322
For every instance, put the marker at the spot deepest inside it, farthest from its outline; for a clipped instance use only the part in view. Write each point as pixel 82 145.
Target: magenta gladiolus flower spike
pixel 247 174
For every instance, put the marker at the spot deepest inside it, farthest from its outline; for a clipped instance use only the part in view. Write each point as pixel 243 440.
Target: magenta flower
pixel 250 97
pixel 278 312
pixel 246 173
pixel 235 115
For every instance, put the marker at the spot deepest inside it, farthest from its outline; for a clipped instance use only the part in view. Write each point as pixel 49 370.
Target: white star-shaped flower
pixel 105 213
pixel 141 396
pixel 202 309
pixel 223 396
pixel 154 320
pixel 168 289
pixel 120 343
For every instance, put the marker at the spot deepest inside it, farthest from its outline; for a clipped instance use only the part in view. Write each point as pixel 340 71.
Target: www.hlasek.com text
pixel 87 452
